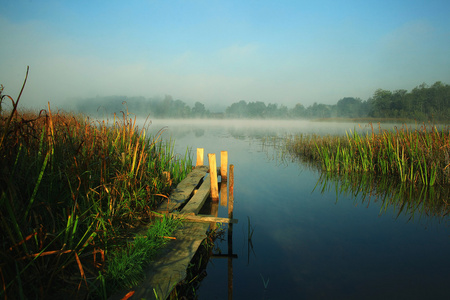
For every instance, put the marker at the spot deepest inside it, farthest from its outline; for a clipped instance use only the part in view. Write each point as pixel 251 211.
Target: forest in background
pixel 423 103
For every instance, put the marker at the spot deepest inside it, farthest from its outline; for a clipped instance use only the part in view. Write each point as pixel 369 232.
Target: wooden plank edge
pixel 208 219
pixel 197 218
pixel 199 172
pixel 195 204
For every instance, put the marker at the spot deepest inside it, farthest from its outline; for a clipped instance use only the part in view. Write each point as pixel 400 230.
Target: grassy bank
pixel 72 189
pixel 419 156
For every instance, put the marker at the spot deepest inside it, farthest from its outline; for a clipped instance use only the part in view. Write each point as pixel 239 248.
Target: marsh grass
pixel 405 171
pixel 419 156
pixel 70 187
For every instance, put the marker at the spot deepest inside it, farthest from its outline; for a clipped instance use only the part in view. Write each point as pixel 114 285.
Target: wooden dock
pixel 169 267
pixel 184 190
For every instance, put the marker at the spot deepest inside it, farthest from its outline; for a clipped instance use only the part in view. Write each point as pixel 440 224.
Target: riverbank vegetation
pixel 423 103
pixel 72 190
pixel 405 171
pixel 417 156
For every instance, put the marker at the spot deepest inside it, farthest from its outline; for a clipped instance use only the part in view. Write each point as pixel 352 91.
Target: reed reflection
pixel 400 198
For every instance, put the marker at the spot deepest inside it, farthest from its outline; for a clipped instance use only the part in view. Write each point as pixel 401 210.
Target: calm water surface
pixel 311 242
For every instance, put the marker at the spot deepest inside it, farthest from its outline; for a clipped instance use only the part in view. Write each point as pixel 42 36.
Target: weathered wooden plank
pixel 170 265
pixel 196 202
pixel 206 219
pixel 199 218
pixel 183 191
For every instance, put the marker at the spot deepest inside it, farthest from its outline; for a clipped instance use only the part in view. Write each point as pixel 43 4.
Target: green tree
pixel 256 109
pixel 349 107
pixel 319 111
pixel 381 103
pixel 298 111
pixel 198 111
pixel 271 110
pixel 237 110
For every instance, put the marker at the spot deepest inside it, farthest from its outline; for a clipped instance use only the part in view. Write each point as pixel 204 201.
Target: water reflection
pixel 253 129
pixel 211 207
pixel 415 202
pixel 401 198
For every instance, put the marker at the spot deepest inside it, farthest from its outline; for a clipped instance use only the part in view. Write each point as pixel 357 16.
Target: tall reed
pixel 419 156
pixel 69 187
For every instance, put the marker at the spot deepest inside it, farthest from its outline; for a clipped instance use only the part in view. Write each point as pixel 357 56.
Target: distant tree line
pixel 155 107
pixel 423 103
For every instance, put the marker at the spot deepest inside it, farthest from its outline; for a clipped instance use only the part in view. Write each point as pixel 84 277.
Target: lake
pixel 311 238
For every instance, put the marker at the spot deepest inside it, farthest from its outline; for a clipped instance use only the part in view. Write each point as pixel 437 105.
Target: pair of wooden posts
pixel 215 197
pixel 223 176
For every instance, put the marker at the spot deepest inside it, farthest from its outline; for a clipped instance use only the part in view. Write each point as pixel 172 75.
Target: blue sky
pixel 220 52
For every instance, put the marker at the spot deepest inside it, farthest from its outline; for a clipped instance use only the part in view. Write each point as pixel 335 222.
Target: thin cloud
pixel 236 51
pixel 409 36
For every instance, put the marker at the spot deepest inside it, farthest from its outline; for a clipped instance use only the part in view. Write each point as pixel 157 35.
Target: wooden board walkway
pixel 169 267
pixel 184 190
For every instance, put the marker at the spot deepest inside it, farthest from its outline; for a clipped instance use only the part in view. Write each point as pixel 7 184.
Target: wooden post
pixel 199 157
pixel 223 165
pixel 231 193
pixel 213 176
pixel 223 193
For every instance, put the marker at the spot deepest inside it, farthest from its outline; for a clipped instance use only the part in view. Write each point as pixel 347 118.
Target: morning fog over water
pixel 305 235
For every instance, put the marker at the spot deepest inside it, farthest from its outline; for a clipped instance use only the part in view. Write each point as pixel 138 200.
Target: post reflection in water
pixel 230 234
pixel 226 200
pixel 230 261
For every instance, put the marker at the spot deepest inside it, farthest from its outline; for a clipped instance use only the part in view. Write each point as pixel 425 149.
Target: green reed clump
pixel 69 187
pixel 419 156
